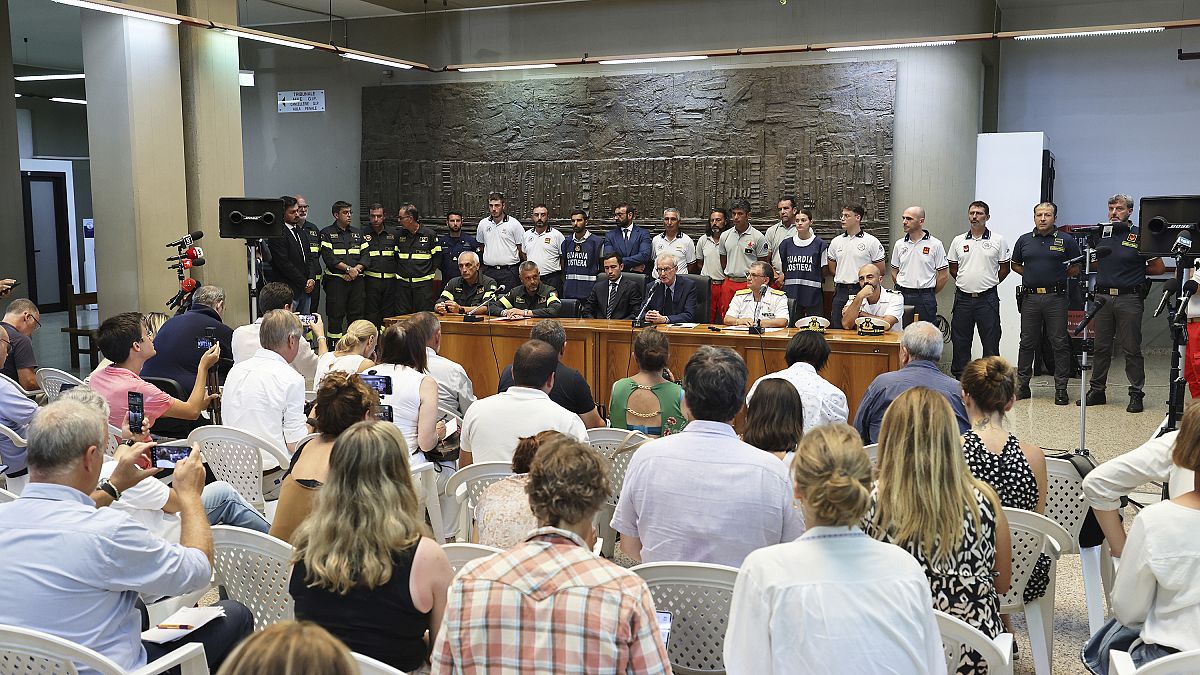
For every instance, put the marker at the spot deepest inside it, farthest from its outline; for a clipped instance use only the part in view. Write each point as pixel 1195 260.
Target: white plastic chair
pixel 872 452
pixel 24 651
pixel 17 484
pixel 369 666
pixel 51 380
pixel 617 446
pixel 467 485
pixel 698 596
pixel 254 568
pixel 1034 534
pixel 33 394
pixel 1183 663
pixel 235 457
pixel 1065 505
pixel 6 496
pixel 460 553
pixel 956 634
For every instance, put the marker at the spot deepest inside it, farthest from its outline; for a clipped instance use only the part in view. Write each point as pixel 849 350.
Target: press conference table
pixel 602 351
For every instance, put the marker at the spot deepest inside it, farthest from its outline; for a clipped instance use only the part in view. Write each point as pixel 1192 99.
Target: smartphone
pixel 451 427
pixel 380 383
pixel 137 414
pixel 205 342
pixel 66 386
pixel 307 319
pixel 664 627
pixel 167 455
pixel 384 413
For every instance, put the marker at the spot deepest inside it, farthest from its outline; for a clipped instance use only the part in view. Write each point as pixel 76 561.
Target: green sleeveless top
pixel 670 399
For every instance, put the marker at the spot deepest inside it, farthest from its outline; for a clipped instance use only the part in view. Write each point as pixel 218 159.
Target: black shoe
pixel 1097 397
pixel 1024 393
pixel 1135 402
pixel 1060 397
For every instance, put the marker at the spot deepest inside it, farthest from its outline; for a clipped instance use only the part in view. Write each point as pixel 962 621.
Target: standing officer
pixel 919 267
pixel 418 256
pixel 979 261
pixel 454 242
pixel 341 250
pixel 531 299
pixel 379 254
pixel 1039 258
pixel 848 252
pixel 314 253
pixel 1121 278
pixel 502 239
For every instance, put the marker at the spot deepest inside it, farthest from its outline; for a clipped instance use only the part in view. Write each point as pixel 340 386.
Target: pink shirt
pixel 114 384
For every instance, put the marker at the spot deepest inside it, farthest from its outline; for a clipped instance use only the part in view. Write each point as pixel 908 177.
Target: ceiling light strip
pixel 46 78
pixel 1089 33
pixel 517 66
pixel 116 8
pixel 77 101
pixel 896 45
pixel 377 60
pixel 650 59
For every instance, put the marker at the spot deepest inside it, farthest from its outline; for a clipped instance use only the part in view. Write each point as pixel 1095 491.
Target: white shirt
pixel 494 424
pixel 979 260
pixel 777 233
pixel 774 305
pixel 245 343
pixel 1156 587
pixel 329 361
pixel 455 391
pixel 833 601
pixel 890 303
pixel 741 250
pixel 851 253
pixel 545 249
pixel 708 252
pixel 1104 485
pixel 823 402
pixel 500 240
pixel 777 261
pixel 265 397
pixel 405 399
pixel 918 262
pixel 1193 309
pixel 144 503
pixel 681 246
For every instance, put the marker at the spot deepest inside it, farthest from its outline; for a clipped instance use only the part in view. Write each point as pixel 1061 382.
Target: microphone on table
pixel 640 321
pixel 469 317
pixel 1171 287
pixel 1189 289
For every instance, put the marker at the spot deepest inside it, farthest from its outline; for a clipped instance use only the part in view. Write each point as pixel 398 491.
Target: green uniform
pixel 543 302
pixel 341 250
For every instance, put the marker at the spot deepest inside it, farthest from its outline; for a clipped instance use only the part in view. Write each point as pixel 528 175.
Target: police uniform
pixel 545 249
pixel 341 250
pixel 850 253
pixel 1120 279
pixel 543 302
pixel 451 248
pixel 314 264
pixel 468 296
pixel 379 256
pixel 581 264
pixel 774 305
pixel 802 263
pixel 917 264
pixel 418 256
pixel 1044 303
pixel 740 251
pixel 976 302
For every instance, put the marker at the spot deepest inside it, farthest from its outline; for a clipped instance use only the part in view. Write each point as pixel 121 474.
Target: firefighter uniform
pixel 314 264
pixel 341 250
pixel 379 255
pixel 418 257
pixel 542 303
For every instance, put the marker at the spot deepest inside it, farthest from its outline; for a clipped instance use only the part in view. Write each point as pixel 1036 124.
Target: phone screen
pixel 380 383
pixel 664 626
pixel 167 455
pixel 205 342
pixel 307 319
pixel 137 413
pixel 384 413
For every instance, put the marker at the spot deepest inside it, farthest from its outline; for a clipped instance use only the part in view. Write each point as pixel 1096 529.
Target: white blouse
pixel 346 363
pixel 405 399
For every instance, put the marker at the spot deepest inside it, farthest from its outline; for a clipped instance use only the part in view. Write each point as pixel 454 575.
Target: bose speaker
pixel 249 218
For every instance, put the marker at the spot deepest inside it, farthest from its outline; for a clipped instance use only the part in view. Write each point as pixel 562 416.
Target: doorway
pixel 48 239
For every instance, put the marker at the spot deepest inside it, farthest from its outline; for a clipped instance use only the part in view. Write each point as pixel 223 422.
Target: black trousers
pixel 1119 319
pixel 1048 312
pixel 380 299
pixel 982 311
pixel 343 304
pixel 505 275
pixel 218 636
pixel 414 297
pixel 555 281
pixel 841 293
pixel 924 302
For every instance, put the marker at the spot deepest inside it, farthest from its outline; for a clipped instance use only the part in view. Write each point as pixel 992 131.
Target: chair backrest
pixel 369 666
pixel 6 496
pixel 910 315
pixel 235 456
pixel 254 568
pixel 23 390
pixel 1064 498
pixel 1183 663
pixel 77 300
pixel 462 553
pixel 476 478
pixel 168 385
pixel 12 436
pixel 617 446
pixel 27 651
pixel 872 452
pixel 703 292
pixel 569 308
pixel 1032 534
pixel 51 380
pixel 957 634
pixel 113 434
pixel 698 596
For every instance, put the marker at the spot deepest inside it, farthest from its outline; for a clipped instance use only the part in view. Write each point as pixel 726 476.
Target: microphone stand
pixel 469 315
pixel 1088 343
pixel 639 321
pixel 1177 322
pixel 756 328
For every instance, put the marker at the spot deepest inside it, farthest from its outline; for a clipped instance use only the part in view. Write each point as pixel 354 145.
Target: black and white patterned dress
pixel 1011 477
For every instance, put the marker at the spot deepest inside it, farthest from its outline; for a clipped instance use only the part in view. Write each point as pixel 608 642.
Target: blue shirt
pixel 16 410
pixel 75 571
pixel 887 387
pixel 1043 257
pixel 451 247
pixel 1125 267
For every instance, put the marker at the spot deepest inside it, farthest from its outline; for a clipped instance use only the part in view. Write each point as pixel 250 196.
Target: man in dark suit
pixel 614 297
pixel 631 241
pixel 289 256
pixel 673 298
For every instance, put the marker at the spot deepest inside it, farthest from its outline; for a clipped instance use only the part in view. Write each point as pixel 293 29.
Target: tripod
pixel 1177 321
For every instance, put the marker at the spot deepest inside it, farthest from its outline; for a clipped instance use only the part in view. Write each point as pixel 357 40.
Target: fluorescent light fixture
pixel 246 78
pixel 43 78
pixel 266 38
pixel 528 66
pixel 651 59
pixel 899 45
pixel 379 60
pixel 17 95
pixel 77 101
pixel 1090 33
pixel 123 11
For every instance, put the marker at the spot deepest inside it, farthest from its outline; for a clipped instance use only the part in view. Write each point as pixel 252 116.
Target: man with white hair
pixel 264 395
pixel 672 297
pixel 920 351
pixel 468 293
pixel 176 351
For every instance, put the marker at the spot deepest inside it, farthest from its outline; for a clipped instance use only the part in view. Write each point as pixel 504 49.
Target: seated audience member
pixel 737 497
pixel 291 648
pixel 75 571
pixel 614 297
pixel 927 502
pixel 494 424
pixel 380 584
pixel 502 514
pixel 758 304
pixel 16 411
pixel 20 320
pixel 469 293
pixel 277 295
pixel 834 576
pixel 672 298
pixel 873 300
pixel 1016 470
pixel 648 402
pixel 551 585
pixel 125 340
pixel 176 354
pixel 154 322
pixel 455 391
pixel 806 354
pixel 352 353
pixel 342 401
pixel 775 421
pixel 263 395
pixel 532 299
pixel 920 351
pixel 1154 597
pixel 571 389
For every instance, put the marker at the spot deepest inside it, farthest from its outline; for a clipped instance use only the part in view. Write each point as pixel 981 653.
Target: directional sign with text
pixel 306 100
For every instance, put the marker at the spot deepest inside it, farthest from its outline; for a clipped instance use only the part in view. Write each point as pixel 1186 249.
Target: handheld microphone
pixel 191 253
pixel 1189 289
pixel 1171 287
pixel 639 320
pixel 1099 301
pixel 187 239
pixel 187 264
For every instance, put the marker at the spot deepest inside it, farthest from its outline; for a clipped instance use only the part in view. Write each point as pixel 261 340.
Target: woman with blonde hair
pixel 352 353
pixel 291 648
pixel 833 576
pixel 364 568
pixel 927 502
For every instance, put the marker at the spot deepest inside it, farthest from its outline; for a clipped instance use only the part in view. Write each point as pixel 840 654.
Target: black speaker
pixel 1169 225
pixel 249 218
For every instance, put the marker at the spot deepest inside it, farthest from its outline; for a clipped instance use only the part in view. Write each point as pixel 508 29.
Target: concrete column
pixel 12 219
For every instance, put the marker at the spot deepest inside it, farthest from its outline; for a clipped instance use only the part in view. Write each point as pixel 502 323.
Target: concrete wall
pixel 12 226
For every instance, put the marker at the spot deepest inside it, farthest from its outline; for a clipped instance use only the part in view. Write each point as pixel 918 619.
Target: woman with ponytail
pixel 812 604
pixel 352 354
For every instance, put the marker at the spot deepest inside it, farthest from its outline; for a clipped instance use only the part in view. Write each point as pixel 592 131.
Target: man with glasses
pixel 21 319
pixel 672 297
pixel 758 304
pixel 418 257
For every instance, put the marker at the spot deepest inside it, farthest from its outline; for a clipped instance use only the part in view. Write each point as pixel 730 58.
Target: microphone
pixel 187 264
pixel 186 286
pixel 468 312
pixel 1189 289
pixel 1097 254
pixel 639 320
pixel 191 253
pixel 757 328
pixel 1170 288
pixel 187 239
pixel 1099 301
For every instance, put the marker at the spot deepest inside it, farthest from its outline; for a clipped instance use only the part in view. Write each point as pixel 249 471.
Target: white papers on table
pixel 744 329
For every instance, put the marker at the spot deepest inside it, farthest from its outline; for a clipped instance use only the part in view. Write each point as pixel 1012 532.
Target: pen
pixel 175 626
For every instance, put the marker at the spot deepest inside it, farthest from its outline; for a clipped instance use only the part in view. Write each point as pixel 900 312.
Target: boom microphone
pixel 191 253
pixel 187 239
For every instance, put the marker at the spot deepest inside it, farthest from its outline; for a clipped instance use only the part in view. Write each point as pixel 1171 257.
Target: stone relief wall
pixel 691 140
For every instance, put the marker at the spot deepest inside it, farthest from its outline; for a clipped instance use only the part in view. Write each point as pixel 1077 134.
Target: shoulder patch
pixel 776 291
pixel 741 291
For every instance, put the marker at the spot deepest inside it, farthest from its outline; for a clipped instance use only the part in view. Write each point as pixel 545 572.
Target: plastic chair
pixel 15 485
pixel 462 553
pixel 1065 505
pixel 1183 663
pixel 6 496
pixel 24 651
pixel 467 485
pixel 51 380
pixel 369 666
pixel 698 596
pixel 618 446
pixel 254 568
pixel 1034 534
pixel 956 634
pixel 33 394
pixel 235 456
pixel 872 452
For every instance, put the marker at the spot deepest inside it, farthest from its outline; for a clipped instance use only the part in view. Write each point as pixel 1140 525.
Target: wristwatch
pixel 110 489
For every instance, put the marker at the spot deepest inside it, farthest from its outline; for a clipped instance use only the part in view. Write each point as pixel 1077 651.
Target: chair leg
pixel 1041 633
pixel 609 548
pixel 1108 572
pixel 1093 586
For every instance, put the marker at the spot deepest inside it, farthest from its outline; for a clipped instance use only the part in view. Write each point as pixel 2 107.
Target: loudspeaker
pixel 1165 221
pixel 249 218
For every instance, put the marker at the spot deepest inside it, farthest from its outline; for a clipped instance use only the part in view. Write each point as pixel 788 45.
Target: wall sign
pixel 306 100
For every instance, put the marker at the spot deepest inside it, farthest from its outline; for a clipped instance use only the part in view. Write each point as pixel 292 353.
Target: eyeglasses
pixel 35 321
pixel 756 275
pixel 660 270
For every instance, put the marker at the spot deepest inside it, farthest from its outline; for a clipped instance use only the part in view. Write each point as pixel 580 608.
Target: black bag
pixel 1090 533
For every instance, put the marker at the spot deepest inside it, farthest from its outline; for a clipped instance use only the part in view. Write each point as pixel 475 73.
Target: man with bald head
pixel 873 300
pixel 919 265
pixel 468 293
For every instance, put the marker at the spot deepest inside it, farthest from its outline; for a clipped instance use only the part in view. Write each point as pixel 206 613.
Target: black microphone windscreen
pixel 198 262
pixel 1171 286
pixel 197 235
pixel 1189 288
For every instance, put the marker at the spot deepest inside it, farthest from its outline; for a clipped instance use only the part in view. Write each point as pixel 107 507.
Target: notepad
pixel 194 617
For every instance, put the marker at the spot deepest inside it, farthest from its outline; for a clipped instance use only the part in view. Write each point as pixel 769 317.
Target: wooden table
pixel 601 350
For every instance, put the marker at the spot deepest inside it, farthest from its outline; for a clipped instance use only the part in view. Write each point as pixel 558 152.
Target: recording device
pixel 1189 289
pixel 1171 287
pixel 250 218
pixel 187 264
pixel 191 253
pixel 137 413
pixel 472 318
pixel 206 341
pixel 167 455
pixel 384 413
pixel 307 319
pixel 664 626
pixel 187 239
pixel 380 383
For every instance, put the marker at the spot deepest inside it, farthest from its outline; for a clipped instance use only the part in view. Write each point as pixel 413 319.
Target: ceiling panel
pixel 266 12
